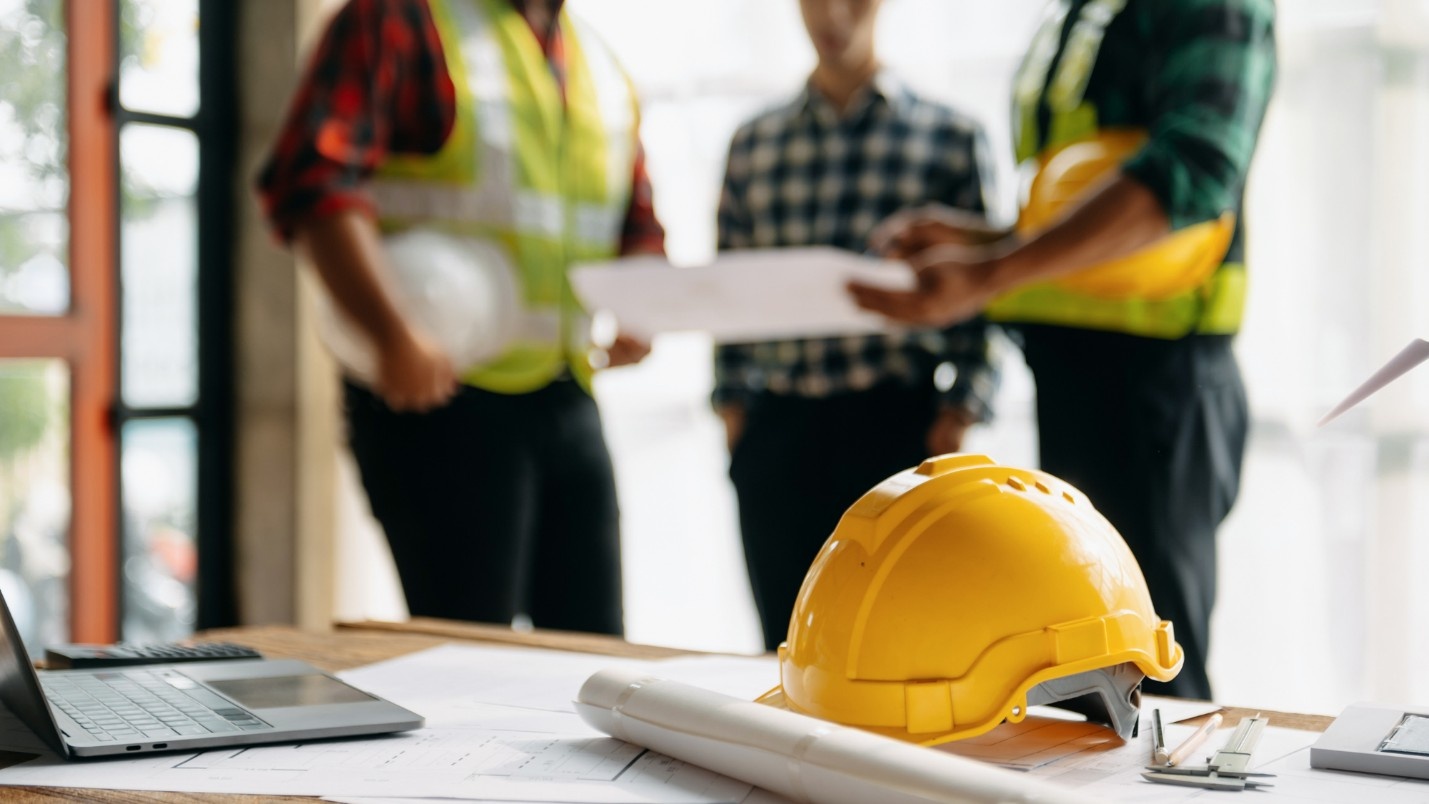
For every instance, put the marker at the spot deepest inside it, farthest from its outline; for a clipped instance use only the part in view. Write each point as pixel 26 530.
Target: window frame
pixel 84 335
pixel 211 412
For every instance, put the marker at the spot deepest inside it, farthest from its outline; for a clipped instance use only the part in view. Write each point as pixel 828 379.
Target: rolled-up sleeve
pixel 1208 95
pixel 377 84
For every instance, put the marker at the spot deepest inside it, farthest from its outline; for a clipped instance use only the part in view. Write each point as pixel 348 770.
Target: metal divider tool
pixel 1227 769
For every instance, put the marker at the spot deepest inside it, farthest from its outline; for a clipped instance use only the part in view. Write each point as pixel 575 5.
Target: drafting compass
pixel 1226 770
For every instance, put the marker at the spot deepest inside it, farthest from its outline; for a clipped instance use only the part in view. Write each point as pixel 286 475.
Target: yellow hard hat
pixel 1179 262
pixel 954 595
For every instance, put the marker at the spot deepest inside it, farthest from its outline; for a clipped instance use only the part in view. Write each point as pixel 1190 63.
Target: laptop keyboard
pixel 139 704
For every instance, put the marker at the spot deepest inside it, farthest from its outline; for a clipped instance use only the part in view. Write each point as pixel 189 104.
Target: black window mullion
pixel 218 155
pixel 127 414
pixel 212 412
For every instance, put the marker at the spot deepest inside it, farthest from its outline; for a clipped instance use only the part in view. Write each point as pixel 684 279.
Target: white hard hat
pixel 461 291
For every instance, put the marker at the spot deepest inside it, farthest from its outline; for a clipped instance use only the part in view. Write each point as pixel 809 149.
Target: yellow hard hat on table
pixel 1179 262
pixel 954 595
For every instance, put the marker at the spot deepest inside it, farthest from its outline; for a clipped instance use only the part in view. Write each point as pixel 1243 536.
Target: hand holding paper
pixel 743 296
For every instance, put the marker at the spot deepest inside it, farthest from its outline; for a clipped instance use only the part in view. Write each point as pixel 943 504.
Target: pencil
pixel 1194 741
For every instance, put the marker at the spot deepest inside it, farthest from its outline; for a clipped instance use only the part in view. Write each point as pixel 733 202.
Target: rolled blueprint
pixel 800 757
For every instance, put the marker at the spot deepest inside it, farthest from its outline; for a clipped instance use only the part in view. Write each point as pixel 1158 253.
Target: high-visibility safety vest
pixel 547 179
pixel 1214 305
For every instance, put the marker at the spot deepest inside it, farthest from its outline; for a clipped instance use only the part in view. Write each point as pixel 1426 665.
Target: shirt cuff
pixel 285 221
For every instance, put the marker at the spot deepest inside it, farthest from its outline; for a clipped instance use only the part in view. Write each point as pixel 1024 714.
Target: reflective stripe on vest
pixel 547 178
pixel 1213 308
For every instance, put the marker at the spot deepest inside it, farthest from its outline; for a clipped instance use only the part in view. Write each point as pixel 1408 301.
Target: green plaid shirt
pixel 1196 75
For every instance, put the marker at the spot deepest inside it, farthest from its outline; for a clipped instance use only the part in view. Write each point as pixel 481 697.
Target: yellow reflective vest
pixel 1213 306
pixel 548 179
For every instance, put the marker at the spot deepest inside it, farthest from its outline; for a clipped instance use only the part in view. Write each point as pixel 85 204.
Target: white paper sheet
pixel 1115 774
pixel 1410 356
pixel 756 796
pixel 792 754
pixel 452 683
pixel 431 763
pixel 1081 764
pixel 501 727
pixel 746 677
pixel 743 296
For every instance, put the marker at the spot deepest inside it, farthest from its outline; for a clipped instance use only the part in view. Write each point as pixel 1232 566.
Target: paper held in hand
pixel 742 296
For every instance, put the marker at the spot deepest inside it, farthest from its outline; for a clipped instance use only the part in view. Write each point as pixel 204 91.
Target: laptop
pixel 185 707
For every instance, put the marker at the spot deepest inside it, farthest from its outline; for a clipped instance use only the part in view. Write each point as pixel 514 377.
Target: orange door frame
pixel 85 337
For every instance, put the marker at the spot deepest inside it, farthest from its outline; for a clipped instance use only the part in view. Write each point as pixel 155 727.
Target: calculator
pixel 66 656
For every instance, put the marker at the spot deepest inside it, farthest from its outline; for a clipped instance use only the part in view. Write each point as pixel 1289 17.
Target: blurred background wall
pixel 227 462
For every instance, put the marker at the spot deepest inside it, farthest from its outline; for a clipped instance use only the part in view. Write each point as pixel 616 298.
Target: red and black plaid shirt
pixel 378 84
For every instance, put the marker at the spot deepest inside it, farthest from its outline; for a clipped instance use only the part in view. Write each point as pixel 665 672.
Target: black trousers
pixel 800 464
pixel 496 505
pixel 1154 433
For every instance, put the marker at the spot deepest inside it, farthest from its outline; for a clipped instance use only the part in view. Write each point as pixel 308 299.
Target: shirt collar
pixel 884 87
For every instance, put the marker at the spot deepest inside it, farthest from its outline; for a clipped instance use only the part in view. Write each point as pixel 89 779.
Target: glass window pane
pixel 35 497
pixel 158 61
pixel 159 358
pixel 158 470
pixel 34 182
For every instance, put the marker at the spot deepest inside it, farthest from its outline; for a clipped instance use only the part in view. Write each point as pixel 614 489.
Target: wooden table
pixel 356 644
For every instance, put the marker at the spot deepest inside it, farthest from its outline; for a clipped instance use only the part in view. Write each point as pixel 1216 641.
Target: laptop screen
pixel 20 687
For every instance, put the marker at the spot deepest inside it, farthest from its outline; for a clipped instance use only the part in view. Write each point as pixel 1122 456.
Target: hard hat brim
pixel 778 700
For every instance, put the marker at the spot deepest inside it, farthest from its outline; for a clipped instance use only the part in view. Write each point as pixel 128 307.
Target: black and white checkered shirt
pixel 802 175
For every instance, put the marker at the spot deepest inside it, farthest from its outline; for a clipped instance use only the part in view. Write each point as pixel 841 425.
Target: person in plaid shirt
pixel 497 501
pixel 814 424
pixel 1140 402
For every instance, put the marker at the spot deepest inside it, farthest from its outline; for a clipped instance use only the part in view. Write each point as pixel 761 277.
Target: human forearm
pixel 955 282
pixel 1115 221
pixel 346 251
pixel 413 371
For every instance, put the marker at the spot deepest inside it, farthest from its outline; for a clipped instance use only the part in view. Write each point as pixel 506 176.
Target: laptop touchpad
pixel 311 689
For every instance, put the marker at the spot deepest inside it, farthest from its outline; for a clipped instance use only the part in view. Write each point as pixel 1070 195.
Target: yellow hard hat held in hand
pixel 1177 263
pixel 954 595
